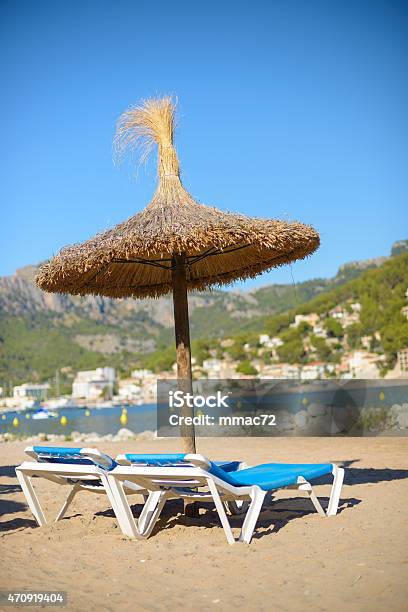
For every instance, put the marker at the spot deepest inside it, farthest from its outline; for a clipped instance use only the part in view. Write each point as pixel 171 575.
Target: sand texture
pixel 297 560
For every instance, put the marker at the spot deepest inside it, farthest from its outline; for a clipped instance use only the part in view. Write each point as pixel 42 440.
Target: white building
pixel 270 343
pixel 213 367
pixel 337 313
pixel 403 360
pixel 290 371
pixel 92 383
pixel 31 391
pixel 217 368
pixel 313 371
pixel 364 365
pixel 272 371
pixel 319 331
pixel 128 390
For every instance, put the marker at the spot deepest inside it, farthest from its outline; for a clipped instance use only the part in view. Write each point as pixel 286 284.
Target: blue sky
pixel 294 110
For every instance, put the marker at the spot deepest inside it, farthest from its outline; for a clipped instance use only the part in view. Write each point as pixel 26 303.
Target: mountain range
pixel 41 332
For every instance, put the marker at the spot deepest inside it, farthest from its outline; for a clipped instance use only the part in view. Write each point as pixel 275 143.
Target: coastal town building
pixel 403 360
pixel 267 342
pixel 92 384
pixel 272 371
pixel 319 331
pixel 363 364
pixel 315 370
pixel 129 390
pixel 291 371
pixel 31 391
pixel 344 316
pixel 218 368
pixel 337 313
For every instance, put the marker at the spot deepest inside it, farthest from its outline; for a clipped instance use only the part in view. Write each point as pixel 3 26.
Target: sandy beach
pixel 297 560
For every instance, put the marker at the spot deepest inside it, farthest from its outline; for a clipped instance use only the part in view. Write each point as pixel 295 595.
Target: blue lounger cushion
pixel 68 455
pixel 176 459
pixel 269 476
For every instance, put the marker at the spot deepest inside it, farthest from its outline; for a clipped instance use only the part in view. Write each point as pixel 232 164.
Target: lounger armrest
pixel 122 460
pixel 198 460
pixel 30 452
pixel 97 457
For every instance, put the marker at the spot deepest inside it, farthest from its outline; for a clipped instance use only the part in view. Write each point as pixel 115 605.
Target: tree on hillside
pixel 323 351
pixel 245 367
pixel 395 337
pixel 304 328
pixel 333 328
pixel 292 351
pixel 354 333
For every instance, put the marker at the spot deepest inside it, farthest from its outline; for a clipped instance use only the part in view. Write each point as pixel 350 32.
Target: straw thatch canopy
pixel 136 257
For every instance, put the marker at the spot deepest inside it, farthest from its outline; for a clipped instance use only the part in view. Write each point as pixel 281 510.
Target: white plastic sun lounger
pixel 80 469
pixel 195 478
pixel 155 497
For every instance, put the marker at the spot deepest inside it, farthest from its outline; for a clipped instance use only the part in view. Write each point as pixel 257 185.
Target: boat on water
pixel 43 413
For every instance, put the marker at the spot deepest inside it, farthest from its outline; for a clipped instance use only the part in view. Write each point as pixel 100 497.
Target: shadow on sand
pixel 357 476
pixel 8 471
pixel 271 520
pixel 17 523
pixel 10 507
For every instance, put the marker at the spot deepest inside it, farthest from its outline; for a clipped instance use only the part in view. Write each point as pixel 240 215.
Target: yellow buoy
pixel 382 396
pixel 64 420
pixel 27 416
pixel 87 413
pixel 3 417
pixel 16 422
pixel 305 401
pixel 123 418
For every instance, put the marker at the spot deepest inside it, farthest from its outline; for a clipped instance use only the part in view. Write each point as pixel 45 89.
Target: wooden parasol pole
pixel 182 333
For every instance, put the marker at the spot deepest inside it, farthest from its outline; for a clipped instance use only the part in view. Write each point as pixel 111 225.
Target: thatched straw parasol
pixel 175 244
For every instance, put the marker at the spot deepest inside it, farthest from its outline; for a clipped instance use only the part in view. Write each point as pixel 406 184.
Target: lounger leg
pixel 151 512
pixel 338 477
pixel 303 485
pixel 257 497
pixel 120 506
pixel 316 502
pixel 67 502
pixel 31 497
pixel 221 511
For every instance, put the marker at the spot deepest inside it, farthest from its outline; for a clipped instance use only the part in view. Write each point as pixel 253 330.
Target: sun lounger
pixel 195 478
pixel 80 469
